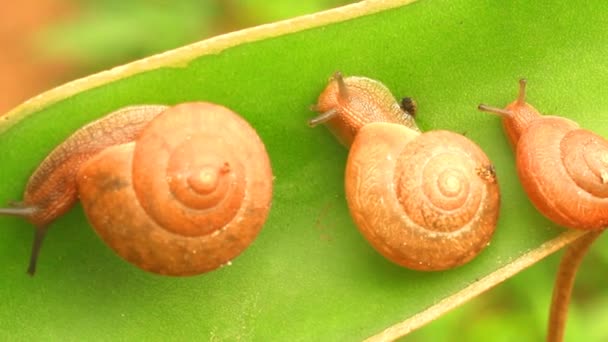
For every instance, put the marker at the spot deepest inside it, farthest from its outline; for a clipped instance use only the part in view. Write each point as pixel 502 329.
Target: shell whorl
pixel 425 201
pixel 564 171
pixel 189 196
pixel 192 180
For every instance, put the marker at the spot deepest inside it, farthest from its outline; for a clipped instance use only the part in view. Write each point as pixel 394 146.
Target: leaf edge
pixel 181 56
pixel 484 284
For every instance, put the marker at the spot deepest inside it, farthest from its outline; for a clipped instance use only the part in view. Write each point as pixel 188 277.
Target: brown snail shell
pixel 192 198
pixel 424 201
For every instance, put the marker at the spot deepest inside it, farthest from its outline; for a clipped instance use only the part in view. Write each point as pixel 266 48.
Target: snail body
pixel 177 197
pixel 426 201
pixel 562 167
pixel 347 104
pixel 51 190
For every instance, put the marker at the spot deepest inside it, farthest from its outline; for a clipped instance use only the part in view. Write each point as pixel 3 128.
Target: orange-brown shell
pixel 187 197
pixel 564 171
pixel 425 201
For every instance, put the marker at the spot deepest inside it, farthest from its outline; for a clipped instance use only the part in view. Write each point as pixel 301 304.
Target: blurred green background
pixel 48 42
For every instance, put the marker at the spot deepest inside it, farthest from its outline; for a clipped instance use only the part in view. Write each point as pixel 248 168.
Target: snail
pixel 564 171
pixel 563 168
pixel 173 190
pixel 425 201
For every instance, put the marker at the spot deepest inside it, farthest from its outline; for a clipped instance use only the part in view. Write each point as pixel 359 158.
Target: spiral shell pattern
pixel 425 201
pixel 564 170
pixel 187 197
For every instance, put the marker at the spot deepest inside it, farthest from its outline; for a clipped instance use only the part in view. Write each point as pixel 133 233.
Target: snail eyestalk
pixel 521 98
pixel 322 118
pixel 18 211
pixel 494 110
pixel 342 90
pixel 39 235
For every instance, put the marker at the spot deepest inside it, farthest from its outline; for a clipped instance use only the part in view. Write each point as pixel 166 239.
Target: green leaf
pixel 310 275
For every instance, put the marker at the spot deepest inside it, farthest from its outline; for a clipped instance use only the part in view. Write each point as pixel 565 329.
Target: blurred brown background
pixel 23 74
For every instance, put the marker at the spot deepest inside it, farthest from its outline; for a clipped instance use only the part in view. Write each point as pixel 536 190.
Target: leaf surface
pixel 310 275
